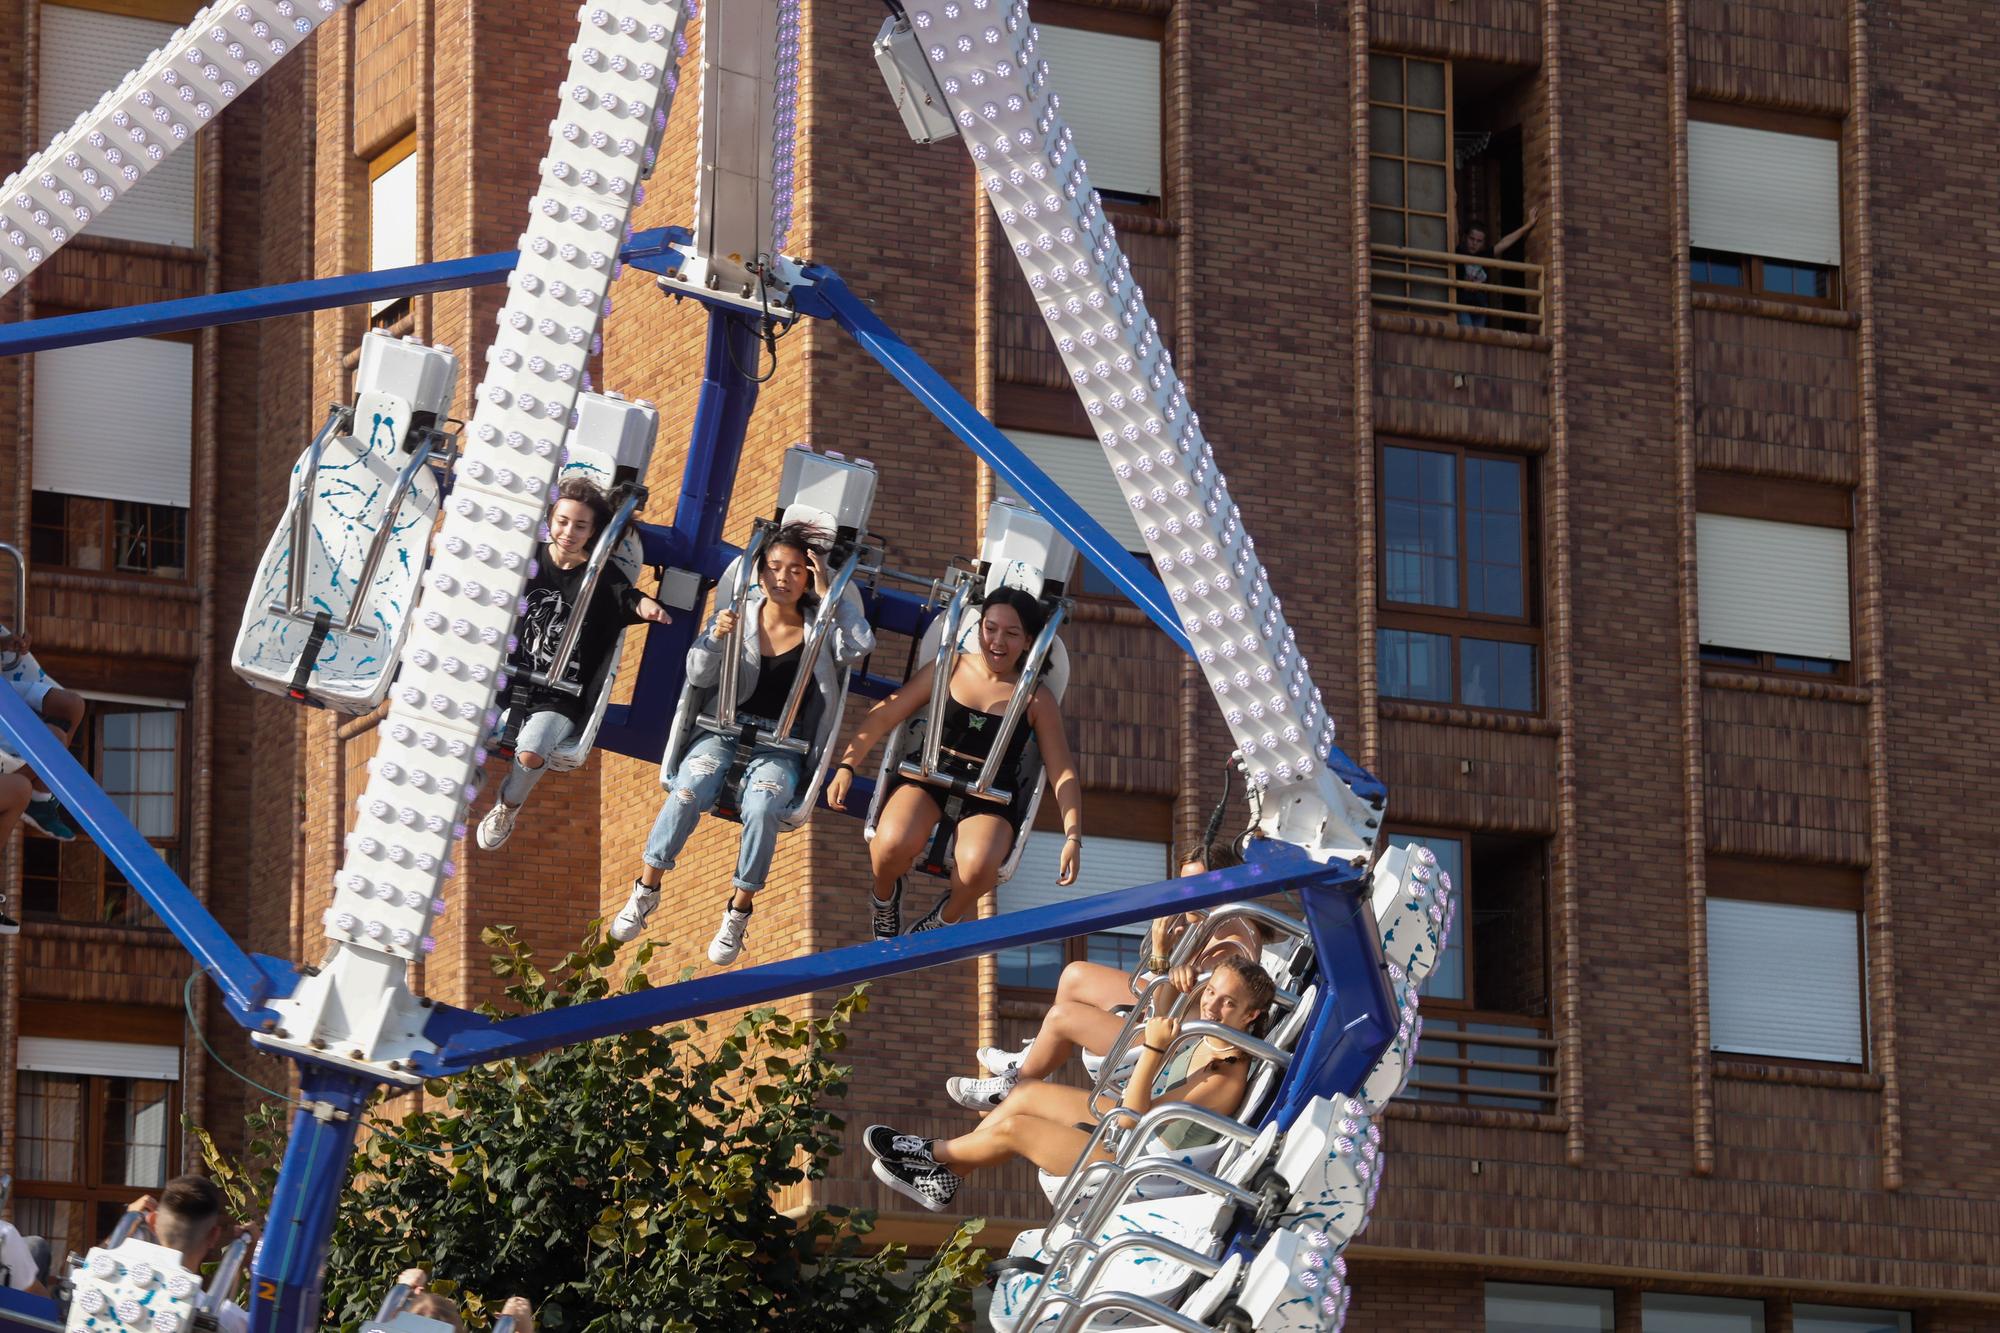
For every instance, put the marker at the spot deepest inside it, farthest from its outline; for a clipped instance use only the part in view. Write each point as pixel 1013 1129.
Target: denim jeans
pixel 542 732
pixel 769 781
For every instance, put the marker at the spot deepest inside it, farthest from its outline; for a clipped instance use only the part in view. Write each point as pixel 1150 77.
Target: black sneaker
pixel 932 1186
pixel 889 915
pixel 934 918
pixel 46 816
pixel 8 925
pixel 886 1145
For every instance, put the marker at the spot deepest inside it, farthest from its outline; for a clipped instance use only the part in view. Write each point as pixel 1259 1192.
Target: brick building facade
pixel 1631 1124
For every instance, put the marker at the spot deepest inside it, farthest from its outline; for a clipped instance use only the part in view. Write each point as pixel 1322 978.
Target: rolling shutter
pixel 1110 90
pixel 1784 980
pixel 110 1059
pixel 1077 464
pixel 1773 587
pixel 392 220
pixel 1108 864
pixel 116 420
pixel 1757 192
pixel 85 54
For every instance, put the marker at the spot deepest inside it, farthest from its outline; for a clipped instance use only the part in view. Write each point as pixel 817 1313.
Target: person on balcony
pixel 1473 271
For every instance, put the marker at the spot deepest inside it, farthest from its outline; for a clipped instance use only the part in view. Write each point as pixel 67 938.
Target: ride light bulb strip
pixel 454 664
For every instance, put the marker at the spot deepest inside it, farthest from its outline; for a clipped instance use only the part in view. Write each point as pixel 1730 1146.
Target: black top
pixel 774 684
pixel 965 738
pixel 549 596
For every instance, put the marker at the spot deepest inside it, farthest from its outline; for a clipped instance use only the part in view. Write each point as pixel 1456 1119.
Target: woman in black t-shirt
pixel 550 716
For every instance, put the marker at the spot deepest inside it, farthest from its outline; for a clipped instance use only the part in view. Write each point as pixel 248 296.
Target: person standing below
pixel 1473 271
pixel 550 716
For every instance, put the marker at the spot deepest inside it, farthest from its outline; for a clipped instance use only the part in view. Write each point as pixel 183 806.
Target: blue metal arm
pixel 465 1040
pixel 830 298
pixel 246 981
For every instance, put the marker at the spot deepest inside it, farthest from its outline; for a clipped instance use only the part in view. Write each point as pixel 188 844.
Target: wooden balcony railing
pixel 1478 1059
pixel 1431 282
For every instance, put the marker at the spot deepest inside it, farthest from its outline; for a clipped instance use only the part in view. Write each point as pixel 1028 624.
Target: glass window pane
pixel 135 1132
pixel 1841 1319
pixel 1426 136
pixel 1034 966
pixel 1385 78
pixel 1667 1313
pixel 1420 528
pixel 1495 674
pixel 156 730
pixel 1426 188
pixel 1426 84
pixel 118 772
pixel 1427 234
pixel 1385 227
pixel 1114 950
pixel 121 731
pixel 1447 979
pixel 1494 537
pixel 1513 1307
pixel 1385 130
pixel 1385 182
pixel 1415 665
pixel 48 1135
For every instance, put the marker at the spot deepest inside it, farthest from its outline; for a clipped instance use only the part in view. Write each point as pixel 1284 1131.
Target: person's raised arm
pixel 1513 238
pixel 1046 716
pixel 882 719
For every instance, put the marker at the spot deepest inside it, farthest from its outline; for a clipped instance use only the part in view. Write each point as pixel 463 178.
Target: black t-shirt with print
pixel 550 596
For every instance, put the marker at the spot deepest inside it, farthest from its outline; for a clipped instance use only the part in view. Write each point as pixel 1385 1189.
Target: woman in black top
pixel 981 684
pixel 549 716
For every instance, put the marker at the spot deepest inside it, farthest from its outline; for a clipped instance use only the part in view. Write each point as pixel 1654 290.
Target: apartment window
pixel 85 51
pixel 1764 209
pixel 1457 603
pixel 392 222
pixel 1517 1307
pixel 1665 1312
pixel 113 462
pixel 1078 465
pixel 1785 962
pixel 1772 565
pixel 1109 73
pixel 1486 1035
pixel 95 1127
pixel 1844 1319
pixel 1109 863
pixel 1409 175
pixel 134 750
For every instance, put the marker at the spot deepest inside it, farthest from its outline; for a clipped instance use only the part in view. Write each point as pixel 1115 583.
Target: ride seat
pixel 330 604
pixel 611 445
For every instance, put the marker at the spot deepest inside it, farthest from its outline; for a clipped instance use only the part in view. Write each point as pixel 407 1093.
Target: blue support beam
pixel 290 298
pixel 247 982
pixel 465 1040
pixel 287 1273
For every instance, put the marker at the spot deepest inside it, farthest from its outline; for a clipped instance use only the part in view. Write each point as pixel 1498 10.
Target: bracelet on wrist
pixel 843 764
pixel 1072 837
pixel 1154 1049
pixel 1158 962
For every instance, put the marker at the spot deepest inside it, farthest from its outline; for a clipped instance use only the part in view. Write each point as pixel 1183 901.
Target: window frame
pixel 91 738
pixel 1460 621
pixel 1752 285
pixel 1789 884
pixel 1776 122
pixel 1146 27
pixel 402 150
pixel 1147 817
pixel 108 527
pixel 1804 503
pixel 1413 280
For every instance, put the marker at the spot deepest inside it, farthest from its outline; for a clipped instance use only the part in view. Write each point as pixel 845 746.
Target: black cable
pixel 1221 807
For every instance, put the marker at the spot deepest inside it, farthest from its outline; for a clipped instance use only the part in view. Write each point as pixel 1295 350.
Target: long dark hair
pixel 1025 605
pixel 591 496
pixel 807 539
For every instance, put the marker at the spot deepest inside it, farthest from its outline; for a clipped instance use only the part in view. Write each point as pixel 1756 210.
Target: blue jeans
pixel 769 781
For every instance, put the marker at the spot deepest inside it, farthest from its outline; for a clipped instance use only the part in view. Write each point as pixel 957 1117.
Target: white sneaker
pixel 728 941
pixel 498 826
pixel 631 919
pixel 997 1061
pixel 980 1094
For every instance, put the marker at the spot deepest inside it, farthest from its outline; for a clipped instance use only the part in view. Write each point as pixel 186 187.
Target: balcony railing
pixel 1432 283
pixel 1476 1059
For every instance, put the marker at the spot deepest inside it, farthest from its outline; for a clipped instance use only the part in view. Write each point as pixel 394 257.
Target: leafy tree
pixel 625 1185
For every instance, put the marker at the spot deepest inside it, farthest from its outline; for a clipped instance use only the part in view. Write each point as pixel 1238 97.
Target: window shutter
pixel 86 54
pixel 115 420
pixel 1516 1307
pixel 1110 90
pixel 1757 192
pixel 111 1059
pixel 1784 981
pixel 1772 587
pixel 1078 466
pixel 1108 864
pixel 392 220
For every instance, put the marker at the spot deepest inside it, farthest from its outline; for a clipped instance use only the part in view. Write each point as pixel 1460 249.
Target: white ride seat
pixel 1021 550
pixel 330 604
pixel 611 445
pixel 831 493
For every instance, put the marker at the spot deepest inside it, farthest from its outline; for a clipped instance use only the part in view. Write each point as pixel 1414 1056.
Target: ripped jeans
pixel 769 781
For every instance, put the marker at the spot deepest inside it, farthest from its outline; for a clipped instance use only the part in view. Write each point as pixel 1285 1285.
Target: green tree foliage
pixel 625 1185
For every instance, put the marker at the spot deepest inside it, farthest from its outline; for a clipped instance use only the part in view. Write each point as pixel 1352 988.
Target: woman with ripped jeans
pixel 792 578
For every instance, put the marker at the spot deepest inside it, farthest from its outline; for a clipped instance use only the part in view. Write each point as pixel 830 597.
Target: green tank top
pixel 1182 1134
